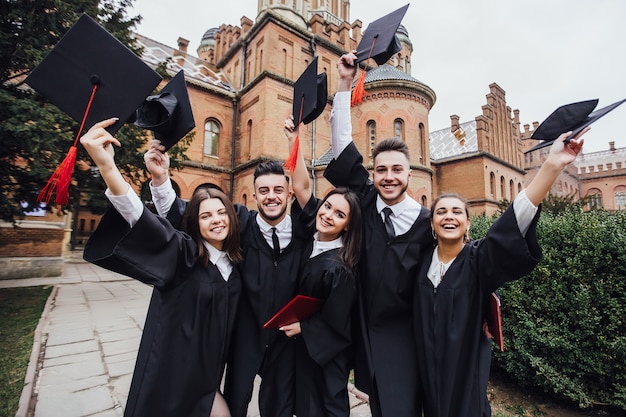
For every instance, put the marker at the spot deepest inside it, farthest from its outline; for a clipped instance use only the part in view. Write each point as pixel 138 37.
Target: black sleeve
pixel 504 254
pixel 152 251
pixel 303 218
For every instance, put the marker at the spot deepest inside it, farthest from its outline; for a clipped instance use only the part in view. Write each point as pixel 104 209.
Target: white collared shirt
pixel 283 231
pixel 220 259
pixel 321 247
pixel 404 214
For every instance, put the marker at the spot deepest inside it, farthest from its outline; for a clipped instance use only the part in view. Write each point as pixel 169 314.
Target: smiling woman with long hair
pixel 188 327
pixel 324 340
pixel 451 289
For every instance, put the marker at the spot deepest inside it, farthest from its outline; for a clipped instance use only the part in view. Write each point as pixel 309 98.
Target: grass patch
pixel 20 310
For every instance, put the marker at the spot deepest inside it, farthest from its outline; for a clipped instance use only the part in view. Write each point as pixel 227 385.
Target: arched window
pixel 594 199
pixel 398 129
pixel 211 137
pixel 423 143
pixel 502 189
pixel 492 184
pixel 424 200
pixel 92 225
pixel 620 197
pixel 371 132
pixel 512 189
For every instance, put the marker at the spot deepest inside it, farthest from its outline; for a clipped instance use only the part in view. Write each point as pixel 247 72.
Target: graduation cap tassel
pixel 60 179
pixel 292 159
pixel 359 88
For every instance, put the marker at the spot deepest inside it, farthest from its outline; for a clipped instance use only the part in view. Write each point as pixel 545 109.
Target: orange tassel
pixel 60 181
pixel 359 90
pixel 292 160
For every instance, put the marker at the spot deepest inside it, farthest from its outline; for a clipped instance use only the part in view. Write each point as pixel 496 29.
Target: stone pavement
pixel 86 343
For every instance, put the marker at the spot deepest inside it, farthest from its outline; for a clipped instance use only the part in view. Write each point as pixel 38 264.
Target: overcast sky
pixel 543 53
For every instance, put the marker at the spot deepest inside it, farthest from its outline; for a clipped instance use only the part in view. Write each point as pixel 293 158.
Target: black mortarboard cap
pixel 379 40
pixel 91 76
pixel 310 93
pixel 572 117
pixel 168 114
pixel 88 55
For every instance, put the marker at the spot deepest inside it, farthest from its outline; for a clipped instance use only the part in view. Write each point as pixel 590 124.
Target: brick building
pixel 241 84
pixel 240 98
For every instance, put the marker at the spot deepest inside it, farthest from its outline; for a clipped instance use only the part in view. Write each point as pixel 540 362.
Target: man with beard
pixel 395 233
pixel 272 252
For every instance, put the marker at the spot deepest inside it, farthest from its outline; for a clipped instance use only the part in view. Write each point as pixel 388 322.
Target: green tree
pixel 34 135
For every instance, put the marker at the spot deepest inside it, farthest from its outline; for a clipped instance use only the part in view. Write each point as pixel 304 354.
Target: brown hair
pixel 391 144
pixel 191 224
pixel 350 252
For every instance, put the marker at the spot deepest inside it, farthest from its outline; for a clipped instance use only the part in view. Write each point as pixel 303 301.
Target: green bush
pixel 565 323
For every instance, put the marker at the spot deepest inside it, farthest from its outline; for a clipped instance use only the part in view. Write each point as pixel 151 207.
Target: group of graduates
pixel 403 288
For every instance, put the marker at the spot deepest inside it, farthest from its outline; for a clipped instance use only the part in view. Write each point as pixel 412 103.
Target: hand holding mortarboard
pixel 157 162
pixel 380 43
pixel 346 68
pixel 310 93
pixel 91 76
pixel 98 143
pixel 574 117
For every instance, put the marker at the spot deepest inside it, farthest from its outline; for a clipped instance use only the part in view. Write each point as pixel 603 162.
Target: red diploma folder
pixel 494 321
pixel 299 308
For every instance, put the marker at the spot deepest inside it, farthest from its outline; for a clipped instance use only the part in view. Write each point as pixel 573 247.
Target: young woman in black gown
pixel 189 323
pixel 324 340
pixel 452 287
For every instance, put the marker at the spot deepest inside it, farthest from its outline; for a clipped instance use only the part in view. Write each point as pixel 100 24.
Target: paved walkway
pixel 86 343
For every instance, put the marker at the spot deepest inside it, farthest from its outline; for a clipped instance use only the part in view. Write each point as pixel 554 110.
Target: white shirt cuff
pixel 525 211
pixel 163 197
pixel 128 205
pixel 340 122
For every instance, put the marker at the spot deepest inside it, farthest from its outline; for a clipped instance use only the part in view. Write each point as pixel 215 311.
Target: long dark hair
pixel 191 224
pixel 351 238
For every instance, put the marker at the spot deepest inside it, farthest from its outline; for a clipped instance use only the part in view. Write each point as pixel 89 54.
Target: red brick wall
pixel 30 242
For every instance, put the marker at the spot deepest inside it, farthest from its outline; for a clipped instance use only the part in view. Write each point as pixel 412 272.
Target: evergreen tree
pixel 34 135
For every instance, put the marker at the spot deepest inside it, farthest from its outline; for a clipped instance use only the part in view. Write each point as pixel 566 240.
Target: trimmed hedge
pixel 565 323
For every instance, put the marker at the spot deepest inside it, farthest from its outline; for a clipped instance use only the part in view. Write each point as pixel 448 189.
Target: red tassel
pixel 63 174
pixel 60 180
pixel 359 90
pixel 292 160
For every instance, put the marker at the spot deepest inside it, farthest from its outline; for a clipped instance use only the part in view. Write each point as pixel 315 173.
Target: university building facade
pixel 240 85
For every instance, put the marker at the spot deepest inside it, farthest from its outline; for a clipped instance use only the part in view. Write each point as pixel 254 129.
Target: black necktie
pixel 276 244
pixel 391 233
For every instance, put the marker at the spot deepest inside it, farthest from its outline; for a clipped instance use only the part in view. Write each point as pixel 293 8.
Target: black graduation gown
pixel 267 287
pixel 188 327
pixel 385 352
pixel 448 319
pixel 323 350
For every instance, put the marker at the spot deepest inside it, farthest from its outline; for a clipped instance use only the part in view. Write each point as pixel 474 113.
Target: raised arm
pixel 340 121
pixel 561 155
pixel 299 176
pixel 99 145
pixel 157 162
